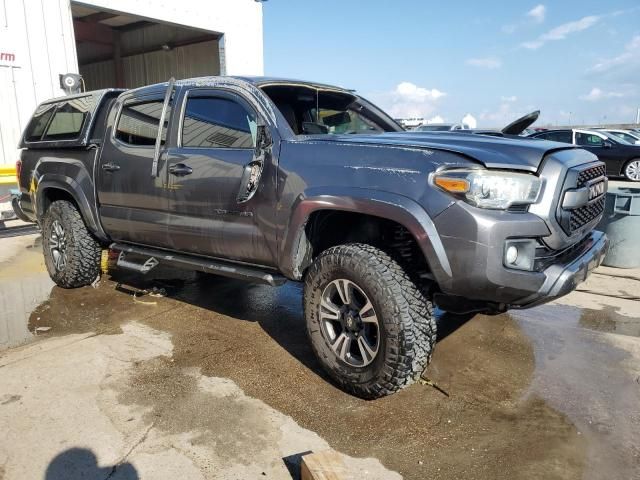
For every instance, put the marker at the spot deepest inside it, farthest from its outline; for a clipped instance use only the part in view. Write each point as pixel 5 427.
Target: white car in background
pixel 630 136
pixel 440 127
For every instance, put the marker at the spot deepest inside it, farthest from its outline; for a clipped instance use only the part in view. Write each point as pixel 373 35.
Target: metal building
pixel 116 43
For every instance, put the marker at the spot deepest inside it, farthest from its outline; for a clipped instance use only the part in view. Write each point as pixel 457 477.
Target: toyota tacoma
pixel 270 180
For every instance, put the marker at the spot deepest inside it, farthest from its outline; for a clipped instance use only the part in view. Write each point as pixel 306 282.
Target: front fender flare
pixel 397 208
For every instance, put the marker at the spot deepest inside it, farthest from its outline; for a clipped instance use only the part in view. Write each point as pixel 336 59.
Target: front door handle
pixel 110 167
pixel 180 170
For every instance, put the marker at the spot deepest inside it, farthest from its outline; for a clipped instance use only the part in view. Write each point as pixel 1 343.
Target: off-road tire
pixel 407 323
pixel 82 249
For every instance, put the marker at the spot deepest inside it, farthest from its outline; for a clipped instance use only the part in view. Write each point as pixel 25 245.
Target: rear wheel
pixel 369 325
pixel 71 253
pixel 631 170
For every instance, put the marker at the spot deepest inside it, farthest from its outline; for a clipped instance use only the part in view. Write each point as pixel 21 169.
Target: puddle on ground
pixel 23 286
pixel 529 394
pixel 606 320
pixel 591 377
pixel 483 427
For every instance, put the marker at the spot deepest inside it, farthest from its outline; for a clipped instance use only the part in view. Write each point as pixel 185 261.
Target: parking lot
pixel 203 377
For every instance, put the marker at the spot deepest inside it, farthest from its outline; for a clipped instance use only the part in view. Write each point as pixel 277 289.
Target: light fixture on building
pixel 71 83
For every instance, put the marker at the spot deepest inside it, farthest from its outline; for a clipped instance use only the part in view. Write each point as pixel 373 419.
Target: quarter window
pixel 138 123
pixel 213 122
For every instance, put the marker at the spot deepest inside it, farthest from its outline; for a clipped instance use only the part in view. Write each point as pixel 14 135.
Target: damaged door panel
pixel 214 177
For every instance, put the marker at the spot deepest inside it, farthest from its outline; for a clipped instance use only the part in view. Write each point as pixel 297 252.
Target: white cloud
pixel 563 31
pixel 597 94
pixel 510 99
pixel 537 13
pixel 408 100
pixel 411 91
pixel 630 54
pixel 436 119
pixel 470 121
pixel 487 62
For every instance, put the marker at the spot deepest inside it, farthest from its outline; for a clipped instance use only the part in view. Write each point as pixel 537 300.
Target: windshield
pixel 614 137
pixel 625 136
pixel 314 111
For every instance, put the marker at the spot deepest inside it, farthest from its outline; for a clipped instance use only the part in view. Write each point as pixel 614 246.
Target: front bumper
pixel 474 241
pixel 563 279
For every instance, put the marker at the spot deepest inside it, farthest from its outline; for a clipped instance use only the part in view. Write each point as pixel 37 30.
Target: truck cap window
pixel 138 123
pixel 214 122
pixel 39 122
pixel 59 121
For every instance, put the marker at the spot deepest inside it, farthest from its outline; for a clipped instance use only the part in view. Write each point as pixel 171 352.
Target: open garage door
pixel 116 49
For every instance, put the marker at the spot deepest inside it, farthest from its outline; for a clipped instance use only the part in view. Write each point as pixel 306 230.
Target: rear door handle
pixel 110 167
pixel 180 170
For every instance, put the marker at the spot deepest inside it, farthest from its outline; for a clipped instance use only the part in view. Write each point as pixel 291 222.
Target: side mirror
pixel 607 144
pixel 253 170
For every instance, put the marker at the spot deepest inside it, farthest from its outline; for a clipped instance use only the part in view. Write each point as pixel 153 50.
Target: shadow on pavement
pixel 82 464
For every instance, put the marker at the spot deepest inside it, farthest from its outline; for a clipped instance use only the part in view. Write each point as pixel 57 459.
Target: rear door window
pixel 589 140
pixel 139 121
pixel 213 122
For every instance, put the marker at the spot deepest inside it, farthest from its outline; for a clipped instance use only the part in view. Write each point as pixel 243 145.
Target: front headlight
pixel 490 189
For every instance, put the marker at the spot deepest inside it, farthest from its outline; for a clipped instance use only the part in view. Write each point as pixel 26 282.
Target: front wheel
pixel 371 328
pixel 71 253
pixel 631 170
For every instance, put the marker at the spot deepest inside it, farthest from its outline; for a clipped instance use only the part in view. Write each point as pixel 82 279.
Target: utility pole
pixel 638 116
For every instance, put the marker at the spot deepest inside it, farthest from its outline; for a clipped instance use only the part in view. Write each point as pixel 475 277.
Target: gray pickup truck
pixel 271 180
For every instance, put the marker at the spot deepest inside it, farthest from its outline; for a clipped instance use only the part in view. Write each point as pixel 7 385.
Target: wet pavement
pixel 551 392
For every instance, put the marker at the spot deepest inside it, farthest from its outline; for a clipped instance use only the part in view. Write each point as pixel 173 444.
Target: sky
pixel 578 61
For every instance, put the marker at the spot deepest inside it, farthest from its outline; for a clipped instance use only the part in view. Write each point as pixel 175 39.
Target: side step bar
pixel 154 257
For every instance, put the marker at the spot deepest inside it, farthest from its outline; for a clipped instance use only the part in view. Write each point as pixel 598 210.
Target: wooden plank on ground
pixel 325 465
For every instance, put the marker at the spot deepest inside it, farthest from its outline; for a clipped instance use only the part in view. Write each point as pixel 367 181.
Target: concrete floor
pixel 216 380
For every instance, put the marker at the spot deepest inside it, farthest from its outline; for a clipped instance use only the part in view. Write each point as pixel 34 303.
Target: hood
pixel 515 153
pixel 518 126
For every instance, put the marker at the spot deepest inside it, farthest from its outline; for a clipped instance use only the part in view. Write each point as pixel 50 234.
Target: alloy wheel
pixel 58 245
pixel 632 171
pixel 349 323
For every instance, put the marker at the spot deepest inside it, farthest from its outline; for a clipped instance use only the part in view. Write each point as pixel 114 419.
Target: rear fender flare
pixel 57 181
pixel 397 208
